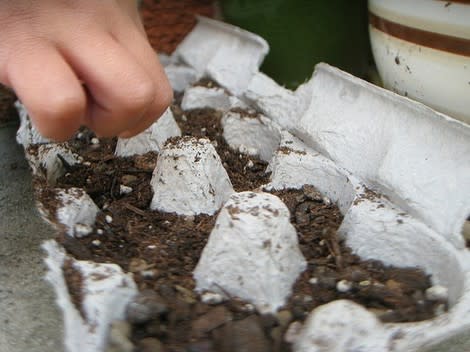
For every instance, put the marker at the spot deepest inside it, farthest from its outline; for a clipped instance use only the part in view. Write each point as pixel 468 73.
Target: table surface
pixel 29 317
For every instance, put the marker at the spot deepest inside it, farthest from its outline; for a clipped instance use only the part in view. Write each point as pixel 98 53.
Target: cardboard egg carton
pixel 398 170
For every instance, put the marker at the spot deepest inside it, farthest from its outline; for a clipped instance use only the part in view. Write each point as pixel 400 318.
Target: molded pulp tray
pixel 345 136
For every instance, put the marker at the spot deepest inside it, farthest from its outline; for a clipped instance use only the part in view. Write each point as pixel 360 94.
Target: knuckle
pixel 139 96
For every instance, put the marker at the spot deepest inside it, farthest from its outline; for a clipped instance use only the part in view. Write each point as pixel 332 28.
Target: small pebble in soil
pixel 148 274
pixel 146 306
pixel 137 265
pixel 284 318
pixel 344 286
pixel 119 337
pixel 214 318
pixel 95 141
pixel 150 344
pixel 243 335
pixel 108 219
pixel 96 243
pixel 212 298
pixel 313 281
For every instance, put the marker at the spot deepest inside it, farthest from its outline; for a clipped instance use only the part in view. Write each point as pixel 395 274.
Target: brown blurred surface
pixel 168 21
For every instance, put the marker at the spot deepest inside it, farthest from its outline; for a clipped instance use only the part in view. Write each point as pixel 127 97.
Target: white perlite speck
pixel 212 298
pixel 437 293
pixel 252 252
pixel 123 189
pixel 344 286
pixel 150 140
pixel 189 178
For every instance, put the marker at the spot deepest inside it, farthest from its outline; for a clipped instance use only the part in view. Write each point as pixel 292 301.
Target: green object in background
pixel 302 33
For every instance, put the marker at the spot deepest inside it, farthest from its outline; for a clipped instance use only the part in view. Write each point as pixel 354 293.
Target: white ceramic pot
pixel 422 50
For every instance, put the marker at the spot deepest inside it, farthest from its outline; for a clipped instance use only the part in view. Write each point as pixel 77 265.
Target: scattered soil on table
pixel 162 250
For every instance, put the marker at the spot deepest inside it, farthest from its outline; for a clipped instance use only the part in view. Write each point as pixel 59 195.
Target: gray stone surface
pixel 460 343
pixel 29 317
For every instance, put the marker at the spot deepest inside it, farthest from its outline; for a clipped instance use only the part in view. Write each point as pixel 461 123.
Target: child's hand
pixel 81 62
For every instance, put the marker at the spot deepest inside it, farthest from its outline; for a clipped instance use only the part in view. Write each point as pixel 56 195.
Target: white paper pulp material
pixel 150 140
pixel 51 160
pixel 199 97
pixel 361 137
pixel 282 105
pixel 251 135
pixel 294 165
pixel 227 54
pixel 252 252
pixel 76 207
pixel 75 210
pixel 27 134
pixel 180 76
pixel 405 150
pixel 106 292
pixel 189 178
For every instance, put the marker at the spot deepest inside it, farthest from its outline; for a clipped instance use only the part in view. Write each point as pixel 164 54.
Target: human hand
pixel 81 62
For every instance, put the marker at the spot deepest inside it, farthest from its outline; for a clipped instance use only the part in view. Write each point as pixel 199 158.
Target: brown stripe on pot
pixel 443 42
pixel 458 1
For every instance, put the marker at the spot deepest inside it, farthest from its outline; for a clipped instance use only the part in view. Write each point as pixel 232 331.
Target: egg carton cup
pixel 398 170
